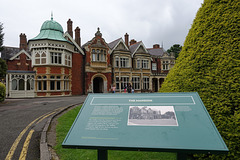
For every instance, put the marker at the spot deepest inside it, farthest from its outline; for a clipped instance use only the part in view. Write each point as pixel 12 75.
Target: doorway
pixel 155 84
pixel 98 85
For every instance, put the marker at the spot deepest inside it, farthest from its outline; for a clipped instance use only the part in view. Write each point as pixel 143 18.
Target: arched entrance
pixel 98 85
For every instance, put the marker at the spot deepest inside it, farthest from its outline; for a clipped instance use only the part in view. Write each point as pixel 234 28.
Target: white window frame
pixel 165 65
pixel 56 58
pixel 136 83
pixel 145 64
pixel 154 66
pixel 146 83
pixel 124 62
pixel 124 81
pixel 138 64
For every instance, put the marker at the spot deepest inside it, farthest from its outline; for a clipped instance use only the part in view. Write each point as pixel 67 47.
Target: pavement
pixel 48 135
pixel 25 124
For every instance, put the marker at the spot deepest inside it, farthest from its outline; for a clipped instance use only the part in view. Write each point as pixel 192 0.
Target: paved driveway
pixel 21 123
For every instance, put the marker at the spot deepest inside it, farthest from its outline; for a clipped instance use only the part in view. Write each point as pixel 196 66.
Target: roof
pixel 114 43
pixel 19 71
pixel 156 51
pixel 9 52
pixel 50 30
pixel 133 47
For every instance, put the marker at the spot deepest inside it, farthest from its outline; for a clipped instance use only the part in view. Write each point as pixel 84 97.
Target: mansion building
pixel 54 63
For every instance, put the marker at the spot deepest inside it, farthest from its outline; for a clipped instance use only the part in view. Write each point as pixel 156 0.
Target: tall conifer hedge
pixel 209 64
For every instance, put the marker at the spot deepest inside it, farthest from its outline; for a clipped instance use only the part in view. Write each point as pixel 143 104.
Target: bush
pixel 209 64
pixel 2 92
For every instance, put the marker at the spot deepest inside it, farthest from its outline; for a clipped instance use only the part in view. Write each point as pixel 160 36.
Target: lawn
pixel 62 128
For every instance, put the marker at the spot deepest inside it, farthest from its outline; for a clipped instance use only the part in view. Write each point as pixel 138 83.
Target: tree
pixel 3 69
pixel 176 48
pixel 1 36
pixel 3 66
pixel 209 64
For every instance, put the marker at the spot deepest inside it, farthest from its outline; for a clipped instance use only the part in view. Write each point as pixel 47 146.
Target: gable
pixel 121 46
pixel 141 50
pixel 16 56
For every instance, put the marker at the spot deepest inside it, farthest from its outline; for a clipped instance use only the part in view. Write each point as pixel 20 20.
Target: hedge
pixel 2 92
pixel 209 64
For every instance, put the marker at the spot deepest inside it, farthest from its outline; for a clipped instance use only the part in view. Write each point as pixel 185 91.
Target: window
pixel 43 58
pixel 99 55
pixel 117 83
pixel 116 61
pixel 67 60
pixel 93 57
pixel 30 84
pixel 165 65
pixel 124 82
pixel 145 83
pixel 14 84
pixel 20 81
pixel 124 62
pixel 52 83
pixel 42 83
pixel 66 82
pixel 145 64
pixel 138 64
pixel 40 58
pixel 154 66
pixel 39 85
pixel 56 58
pixel 37 58
pixel 58 83
pixel 136 83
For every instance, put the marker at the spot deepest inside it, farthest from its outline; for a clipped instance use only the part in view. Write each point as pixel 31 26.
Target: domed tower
pixel 52 60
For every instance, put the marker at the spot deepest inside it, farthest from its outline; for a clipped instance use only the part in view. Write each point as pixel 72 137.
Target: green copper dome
pixel 51 30
pixel 51 25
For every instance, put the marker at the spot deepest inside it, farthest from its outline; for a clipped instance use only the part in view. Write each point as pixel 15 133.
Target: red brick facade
pixel 20 63
pixel 77 74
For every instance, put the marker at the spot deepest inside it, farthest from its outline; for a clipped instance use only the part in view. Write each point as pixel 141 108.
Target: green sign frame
pixel 162 122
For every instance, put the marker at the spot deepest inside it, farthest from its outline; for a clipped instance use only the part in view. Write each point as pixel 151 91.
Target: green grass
pixel 62 128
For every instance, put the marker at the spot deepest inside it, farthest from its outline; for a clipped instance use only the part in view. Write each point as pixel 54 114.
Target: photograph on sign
pixel 152 116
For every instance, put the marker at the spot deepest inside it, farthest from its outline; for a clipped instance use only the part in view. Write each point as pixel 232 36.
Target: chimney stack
pixel 77 36
pixel 156 46
pixel 133 41
pixel 126 39
pixel 23 41
pixel 69 27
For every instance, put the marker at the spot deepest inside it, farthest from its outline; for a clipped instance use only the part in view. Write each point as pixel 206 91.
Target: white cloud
pixel 152 21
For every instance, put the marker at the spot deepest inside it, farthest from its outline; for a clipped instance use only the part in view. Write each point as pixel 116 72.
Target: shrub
pixel 209 64
pixel 2 92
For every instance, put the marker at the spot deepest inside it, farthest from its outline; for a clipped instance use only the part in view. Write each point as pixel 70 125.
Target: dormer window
pixel 165 65
pixel 99 55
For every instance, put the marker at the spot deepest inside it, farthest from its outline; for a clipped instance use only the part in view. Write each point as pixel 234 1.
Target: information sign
pixel 173 122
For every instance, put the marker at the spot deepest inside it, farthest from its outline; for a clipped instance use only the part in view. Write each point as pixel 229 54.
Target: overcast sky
pixel 150 21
